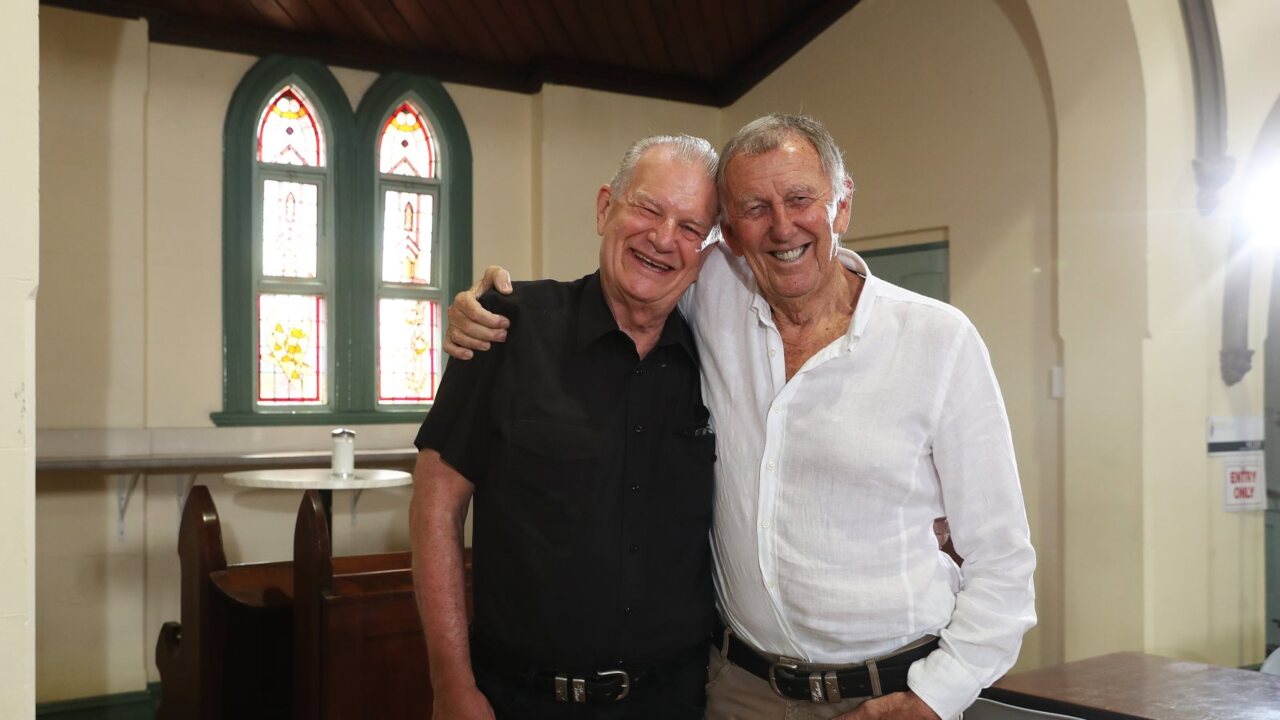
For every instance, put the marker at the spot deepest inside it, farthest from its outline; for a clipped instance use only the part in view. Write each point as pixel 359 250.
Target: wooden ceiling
pixel 702 51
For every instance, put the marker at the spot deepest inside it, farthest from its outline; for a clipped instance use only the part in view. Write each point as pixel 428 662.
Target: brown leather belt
pixel 799 681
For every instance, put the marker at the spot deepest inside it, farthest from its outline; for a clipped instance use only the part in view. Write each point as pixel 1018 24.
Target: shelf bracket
pixel 125 486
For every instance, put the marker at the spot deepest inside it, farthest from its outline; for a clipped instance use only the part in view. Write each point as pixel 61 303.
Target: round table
pixel 319 479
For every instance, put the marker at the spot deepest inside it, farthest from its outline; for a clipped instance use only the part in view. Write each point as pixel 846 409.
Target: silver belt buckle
pixel 574 689
pixel 626 681
pixel 786 662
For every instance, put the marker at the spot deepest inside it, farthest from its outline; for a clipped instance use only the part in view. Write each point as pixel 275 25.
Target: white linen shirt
pixel 827 485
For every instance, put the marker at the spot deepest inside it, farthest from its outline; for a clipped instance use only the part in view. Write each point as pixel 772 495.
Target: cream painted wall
pixel 1153 562
pixel 19 202
pixel 1250 58
pixel 941 130
pixel 92 222
pixel 1101 226
pixel 1190 541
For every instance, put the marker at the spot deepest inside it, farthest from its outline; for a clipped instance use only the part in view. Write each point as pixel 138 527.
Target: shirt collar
pixel 596 320
pixel 861 314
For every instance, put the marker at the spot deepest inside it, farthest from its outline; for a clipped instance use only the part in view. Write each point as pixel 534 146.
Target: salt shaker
pixel 344 452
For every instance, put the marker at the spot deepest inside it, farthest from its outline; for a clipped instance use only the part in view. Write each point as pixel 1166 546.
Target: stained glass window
pixel 408 351
pixel 289 229
pixel 345 232
pixel 289 133
pixel 291 349
pixel 408 146
pixel 406 237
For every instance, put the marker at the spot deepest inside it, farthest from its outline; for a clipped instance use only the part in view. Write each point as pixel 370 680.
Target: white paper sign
pixel 1244 482
pixel 1235 433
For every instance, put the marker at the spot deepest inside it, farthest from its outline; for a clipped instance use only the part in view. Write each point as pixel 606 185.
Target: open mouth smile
pixel 790 255
pixel 651 263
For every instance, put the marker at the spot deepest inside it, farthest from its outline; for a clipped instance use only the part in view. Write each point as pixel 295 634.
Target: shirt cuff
pixel 943 684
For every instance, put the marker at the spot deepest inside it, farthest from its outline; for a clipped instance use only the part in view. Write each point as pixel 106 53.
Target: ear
pixel 730 239
pixel 604 198
pixel 844 210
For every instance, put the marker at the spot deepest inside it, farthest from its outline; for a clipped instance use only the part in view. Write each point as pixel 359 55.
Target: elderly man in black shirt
pixel 586 446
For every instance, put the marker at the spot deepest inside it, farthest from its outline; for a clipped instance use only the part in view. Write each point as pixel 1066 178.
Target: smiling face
pixel 652 232
pixel 782 218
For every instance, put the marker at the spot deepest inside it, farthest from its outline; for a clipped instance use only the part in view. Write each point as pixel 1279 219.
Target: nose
pixel 781 226
pixel 663 237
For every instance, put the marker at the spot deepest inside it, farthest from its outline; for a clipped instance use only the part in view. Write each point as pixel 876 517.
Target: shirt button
pixel 765 525
pixel 770 465
pixel 635 488
pixel 638 371
pixel 772 352
pixel 627 612
pixel 777 409
pixel 634 548
pixel 639 428
pixel 769 584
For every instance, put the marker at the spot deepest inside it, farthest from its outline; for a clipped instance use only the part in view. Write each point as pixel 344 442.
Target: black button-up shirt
pixel 593 483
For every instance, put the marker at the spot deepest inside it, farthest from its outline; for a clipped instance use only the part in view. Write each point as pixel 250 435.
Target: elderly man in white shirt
pixel 849 413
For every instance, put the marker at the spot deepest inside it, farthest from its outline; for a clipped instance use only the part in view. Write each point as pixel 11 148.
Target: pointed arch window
pixel 343 233
pixel 409 291
pixel 293 218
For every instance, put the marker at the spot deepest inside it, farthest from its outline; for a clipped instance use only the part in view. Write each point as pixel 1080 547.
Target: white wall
pixel 19 200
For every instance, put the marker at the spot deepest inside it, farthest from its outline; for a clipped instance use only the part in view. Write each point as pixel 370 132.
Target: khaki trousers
pixel 735 694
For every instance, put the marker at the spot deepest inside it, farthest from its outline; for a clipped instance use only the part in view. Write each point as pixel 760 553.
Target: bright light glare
pixel 1261 211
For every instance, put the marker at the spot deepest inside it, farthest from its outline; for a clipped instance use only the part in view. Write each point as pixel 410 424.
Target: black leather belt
pixel 601 686
pixel 798 681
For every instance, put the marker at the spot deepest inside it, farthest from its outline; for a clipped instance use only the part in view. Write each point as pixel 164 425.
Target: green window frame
pixel 348 256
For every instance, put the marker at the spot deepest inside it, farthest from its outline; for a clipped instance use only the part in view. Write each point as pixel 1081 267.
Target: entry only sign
pixel 1245 485
pixel 1238 441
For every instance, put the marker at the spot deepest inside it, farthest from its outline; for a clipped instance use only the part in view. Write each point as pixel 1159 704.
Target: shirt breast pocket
pixel 688 467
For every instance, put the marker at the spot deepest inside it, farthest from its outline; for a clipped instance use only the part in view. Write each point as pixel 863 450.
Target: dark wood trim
pixel 349 35
pixel 111 8
pixel 736 82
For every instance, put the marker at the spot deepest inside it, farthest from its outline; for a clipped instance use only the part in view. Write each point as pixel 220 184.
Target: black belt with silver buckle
pixel 798 681
pixel 603 686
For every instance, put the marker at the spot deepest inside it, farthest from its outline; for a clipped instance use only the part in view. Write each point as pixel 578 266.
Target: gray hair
pixel 690 149
pixel 769 133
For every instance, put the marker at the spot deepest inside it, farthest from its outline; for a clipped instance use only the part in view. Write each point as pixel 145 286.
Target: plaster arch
pixel 1094 71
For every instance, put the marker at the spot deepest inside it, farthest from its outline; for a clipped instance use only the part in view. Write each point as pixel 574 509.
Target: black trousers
pixel 678 693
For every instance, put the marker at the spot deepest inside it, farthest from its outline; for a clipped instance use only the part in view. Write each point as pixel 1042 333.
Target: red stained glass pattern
pixel 408 146
pixel 406 237
pixel 289 224
pixel 289 132
pixel 408 350
pixel 291 350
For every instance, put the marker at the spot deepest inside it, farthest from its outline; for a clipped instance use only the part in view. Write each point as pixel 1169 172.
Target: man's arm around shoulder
pixel 436 515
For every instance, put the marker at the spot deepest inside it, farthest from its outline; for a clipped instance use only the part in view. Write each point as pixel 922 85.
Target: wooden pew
pixel 319 637
pixel 230 656
pixel 358 644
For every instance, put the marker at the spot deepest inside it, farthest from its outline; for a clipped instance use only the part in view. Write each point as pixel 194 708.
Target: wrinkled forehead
pixel 671 180
pixel 792 164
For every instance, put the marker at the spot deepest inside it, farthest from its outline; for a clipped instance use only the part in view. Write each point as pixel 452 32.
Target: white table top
pixel 318 479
